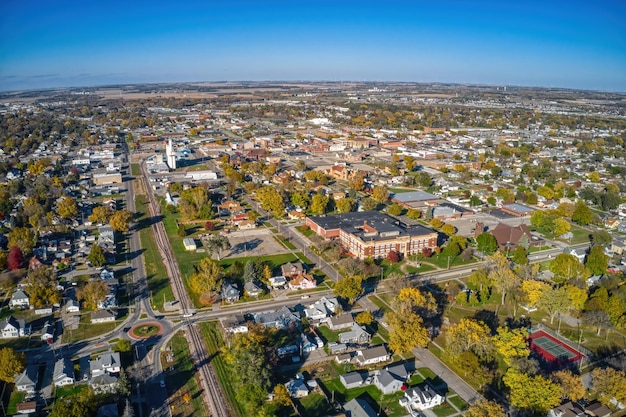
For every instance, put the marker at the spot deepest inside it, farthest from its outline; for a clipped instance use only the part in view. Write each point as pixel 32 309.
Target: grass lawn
pixel 87 330
pixel 16 398
pixel 182 379
pixel 135 170
pixel 328 334
pixel 427 373
pixel 421 269
pixel 444 410
pixel 458 402
pixel 442 261
pixel 214 343
pixel 379 303
pixel 305 231
pixel 70 390
pixel 285 242
pixel 315 405
pixel 580 235
pixel 158 281
pixel 200 167
pixel 401 190
pixel 389 403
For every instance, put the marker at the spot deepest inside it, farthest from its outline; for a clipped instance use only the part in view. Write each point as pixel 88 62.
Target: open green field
pixel 371 393
pixel 181 379
pixel 158 281
pixel 214 343
pixel 135 170
pixel 315 405
pixel 16 398
pixel 87 330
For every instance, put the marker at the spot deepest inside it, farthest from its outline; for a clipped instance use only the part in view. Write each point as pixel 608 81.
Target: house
pixel 12 327
pixel 27 407
pixel 306 344
pixel 278 319
pixel 352 379
pixel 104 383
pixel 106 363
pixel 569 409
pixel 47 333
pixel 27 380
pixel 596 409
pixel 357 335
pixel 510 237
pixel 19 299
pixel 335 348
pixel 302 281
pixel 297 388
pixel 63 372
pixel 580 254
pixel 72 306
pixel 291 270
pixel 103 316
pixel 391 379
pixel 278 282
pixel 372 355
pixel 252 289
pixel 358 407
pixel 421 397
pixel 230 292
pixel 189 244
pixel 234 324
pixel 322 308
pixel 618 246
pixel 247 224
pixel 343 358
pixel 342 321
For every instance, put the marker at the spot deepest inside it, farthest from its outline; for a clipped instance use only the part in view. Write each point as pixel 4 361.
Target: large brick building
pixel 370 233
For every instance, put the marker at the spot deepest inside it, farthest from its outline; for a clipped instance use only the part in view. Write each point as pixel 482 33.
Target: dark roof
pixel 382 226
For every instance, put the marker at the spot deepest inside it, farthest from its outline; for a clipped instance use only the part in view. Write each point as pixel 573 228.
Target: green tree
pixel 83 404
pixel 395 209
pixel 502 276
pixel 469 336
pixel 369 204
pixel 486 243
pixel 409 163
pixel 582 214
pixel 67 208
pixel 208 277
pixel 601 237
pixel 534 393
pixel 520 256
pixel 216 244
pixel 300 199
pixel 349 288
pixel 42 287
pixel 96 256
pixel 414 214
pixel 566 268
pixel 597 262
pixel 271 200
pixel 561 227
pixel 122 345
pixel 182 230
pixel 571 385
pixel 380 194
pixel 319 204
pixel 100 215
pixel 3 260
pixel 345 205
pixel 11 364
pixel 364 318
pixel 608 383
pixel 448 229
pixel 556 301
pixel 485 408
pixel 423 179
pixel 357 183
pixel 511 344
pixel 123 384
pixel 23 238
pixel 120 220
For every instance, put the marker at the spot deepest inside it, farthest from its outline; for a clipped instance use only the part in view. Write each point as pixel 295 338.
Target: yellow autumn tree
pixel 532 290
pixel 571 384
pixel 469 335
pixel 511 344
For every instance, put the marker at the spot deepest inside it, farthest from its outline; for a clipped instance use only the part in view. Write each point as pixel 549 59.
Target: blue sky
pixel 577 44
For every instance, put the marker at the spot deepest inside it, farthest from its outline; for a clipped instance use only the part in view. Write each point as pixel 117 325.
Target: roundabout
pixel 145 330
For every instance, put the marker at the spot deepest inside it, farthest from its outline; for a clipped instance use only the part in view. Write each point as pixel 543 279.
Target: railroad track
pixel 214 395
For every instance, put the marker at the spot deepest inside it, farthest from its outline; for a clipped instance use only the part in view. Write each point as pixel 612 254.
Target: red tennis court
pixel 552 350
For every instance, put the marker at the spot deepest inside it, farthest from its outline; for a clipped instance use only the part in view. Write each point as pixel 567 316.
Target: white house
pixel 391 379
pixel 47 333
pixel 27 380
pixel 102 316
pixel 297 388
pixel 421 397
pixel 63 372
pixel 19 299
pixel 105 363
pixel 372 355
pixel 72 306
pixel 11 327
pixel 104 383
pixel 342 321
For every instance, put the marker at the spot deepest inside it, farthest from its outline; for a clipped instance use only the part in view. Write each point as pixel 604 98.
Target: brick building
pixel 370 233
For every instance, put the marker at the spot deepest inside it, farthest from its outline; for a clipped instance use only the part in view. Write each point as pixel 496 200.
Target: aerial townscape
pixel 437 244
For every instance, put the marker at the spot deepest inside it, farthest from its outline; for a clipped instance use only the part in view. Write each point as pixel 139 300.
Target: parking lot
pixel 254 242
pixel 466 225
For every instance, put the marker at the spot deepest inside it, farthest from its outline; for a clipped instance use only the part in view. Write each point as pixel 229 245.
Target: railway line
pixel 214 397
